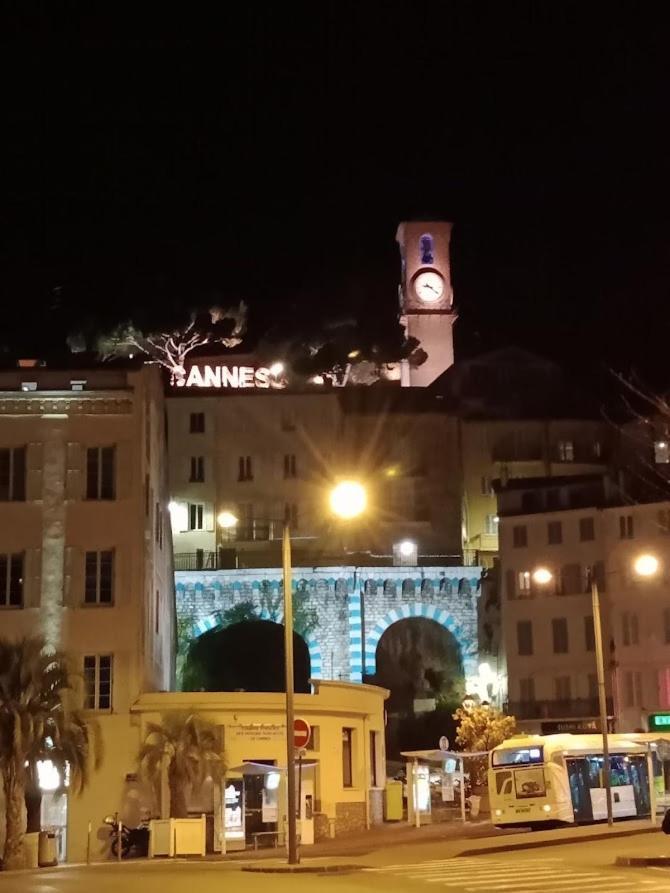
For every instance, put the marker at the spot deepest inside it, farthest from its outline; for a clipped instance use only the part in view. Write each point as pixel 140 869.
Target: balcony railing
pixel 574 708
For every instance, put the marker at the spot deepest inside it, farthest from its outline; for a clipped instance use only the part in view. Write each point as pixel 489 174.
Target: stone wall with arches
pixel 341 612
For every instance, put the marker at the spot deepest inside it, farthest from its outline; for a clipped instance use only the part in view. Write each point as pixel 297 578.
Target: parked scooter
pixel 134 841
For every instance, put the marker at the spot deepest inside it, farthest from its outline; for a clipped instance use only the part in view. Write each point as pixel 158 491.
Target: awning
pixel 251 768
pixel 439 756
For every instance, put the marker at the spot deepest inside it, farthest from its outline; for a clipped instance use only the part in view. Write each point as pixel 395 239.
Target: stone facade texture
pixel 346 610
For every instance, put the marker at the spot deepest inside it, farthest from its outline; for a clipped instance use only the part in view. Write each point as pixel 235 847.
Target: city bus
pixel 545 780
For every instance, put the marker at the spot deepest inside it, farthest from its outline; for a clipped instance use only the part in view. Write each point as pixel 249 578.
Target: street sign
pixel 301 732
pixel 444 743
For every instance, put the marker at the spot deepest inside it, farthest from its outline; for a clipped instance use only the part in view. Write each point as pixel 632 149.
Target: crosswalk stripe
pixel 527 884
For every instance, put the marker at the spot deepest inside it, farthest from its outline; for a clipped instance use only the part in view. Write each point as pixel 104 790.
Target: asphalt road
pixel 577 868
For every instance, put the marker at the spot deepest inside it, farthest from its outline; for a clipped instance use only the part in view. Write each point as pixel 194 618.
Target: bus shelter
pixel 451 766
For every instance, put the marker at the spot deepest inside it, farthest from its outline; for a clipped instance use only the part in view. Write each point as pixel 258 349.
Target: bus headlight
pixel 546 807
pixel 499 812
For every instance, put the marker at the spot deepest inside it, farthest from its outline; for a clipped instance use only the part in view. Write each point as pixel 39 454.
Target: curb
pixel 643 861
pixel 561 841
pixel 303 869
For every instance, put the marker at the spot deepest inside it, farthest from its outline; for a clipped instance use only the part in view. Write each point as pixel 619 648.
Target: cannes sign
pixel 230 377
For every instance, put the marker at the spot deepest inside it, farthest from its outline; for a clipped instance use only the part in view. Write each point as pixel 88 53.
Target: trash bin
pixel 47 849
pixel 30 848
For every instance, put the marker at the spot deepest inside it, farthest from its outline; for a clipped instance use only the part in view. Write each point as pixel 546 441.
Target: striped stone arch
pixel 430 612
pixel 215 621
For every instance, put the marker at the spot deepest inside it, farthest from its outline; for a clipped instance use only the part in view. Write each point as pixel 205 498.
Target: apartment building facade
pixel 86 550
pixel 575 528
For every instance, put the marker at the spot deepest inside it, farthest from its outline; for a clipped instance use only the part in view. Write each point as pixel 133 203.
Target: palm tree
pixel 38 722
pixel 186 747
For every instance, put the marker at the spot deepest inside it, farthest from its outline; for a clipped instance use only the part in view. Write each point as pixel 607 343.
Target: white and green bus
pixel 544 780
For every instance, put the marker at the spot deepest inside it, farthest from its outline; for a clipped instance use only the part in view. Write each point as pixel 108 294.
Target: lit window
pixel 98 682
pixel 426 249
pixel 661 452
pixel 492 524
pixel 28 385
pixel 524 579
pixel 566 451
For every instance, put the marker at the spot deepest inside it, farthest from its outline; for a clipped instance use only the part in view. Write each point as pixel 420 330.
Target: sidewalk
pixel 474 838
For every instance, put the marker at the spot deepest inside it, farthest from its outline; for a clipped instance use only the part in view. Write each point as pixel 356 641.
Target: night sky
pixel 159 159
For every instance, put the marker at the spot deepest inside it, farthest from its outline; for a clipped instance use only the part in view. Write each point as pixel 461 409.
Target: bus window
pixel 529 783
pixel 517 756
pixel 503 782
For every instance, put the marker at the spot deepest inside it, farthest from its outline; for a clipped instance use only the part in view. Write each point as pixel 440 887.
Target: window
pixel 572 582
pixel 197 469
pixel 589 633
pixel 197 423
pixel 314 742
pixel 13 474
pixel 99 578
pixel 553 500
pixel 157 611
pixel 554 533
pixel 626 527
pixel 196 516
pixel 347 755
pixel 491 524
pixel 519 536
pixel 28 385
pixel 562 688
pixel 157 524
pixel 98 682
pixel 100 472
pixel 426 249
pixel 11 581
pixel 78 384
pixel 597 449
pixel 375 780
pixel 524 584
pixel 527 690
pixel 661 452
pixel 291 514
pixel 524 637
pixel 630 631
pixel 487 487
pixel 666 625
pixel 245 469
pixel 566 451
pixel 587 530
pixel 559 633
pixel 289 466
pixel 632 689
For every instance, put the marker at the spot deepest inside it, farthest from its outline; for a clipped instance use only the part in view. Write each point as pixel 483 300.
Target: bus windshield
pixel 517 756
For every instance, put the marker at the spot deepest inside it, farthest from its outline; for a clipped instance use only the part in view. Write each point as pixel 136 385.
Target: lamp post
pixel 347 500
pixel 644 566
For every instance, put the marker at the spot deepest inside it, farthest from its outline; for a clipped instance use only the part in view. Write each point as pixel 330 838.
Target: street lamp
pixel 227 520
pixel 644 566
pixel 348 499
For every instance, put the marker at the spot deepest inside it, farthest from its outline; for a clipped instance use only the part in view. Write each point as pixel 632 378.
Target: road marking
pixel 477 875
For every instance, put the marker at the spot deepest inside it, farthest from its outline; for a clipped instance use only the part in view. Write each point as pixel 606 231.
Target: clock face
pixel 429 286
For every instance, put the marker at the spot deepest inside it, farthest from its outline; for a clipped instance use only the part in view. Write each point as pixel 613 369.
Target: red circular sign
pixel 301 732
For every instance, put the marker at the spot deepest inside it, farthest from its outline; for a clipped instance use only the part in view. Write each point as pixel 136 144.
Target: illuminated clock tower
pixel 426 297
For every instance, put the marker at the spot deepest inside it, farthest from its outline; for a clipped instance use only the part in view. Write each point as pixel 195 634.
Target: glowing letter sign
pixel 230 377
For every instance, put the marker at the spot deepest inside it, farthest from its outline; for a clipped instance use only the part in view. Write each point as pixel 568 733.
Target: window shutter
pixel 123 470
pixel 32 578
pixel 74 483
pixel 35 458
pixel 510 583
pixel 209 516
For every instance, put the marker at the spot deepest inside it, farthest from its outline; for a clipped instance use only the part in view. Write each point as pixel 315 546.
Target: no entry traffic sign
pixel 301 732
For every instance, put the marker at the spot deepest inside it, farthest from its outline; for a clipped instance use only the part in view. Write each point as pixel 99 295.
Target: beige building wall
pixel 56 525
pixel 253 728
pixel 493 449
pixel 636 614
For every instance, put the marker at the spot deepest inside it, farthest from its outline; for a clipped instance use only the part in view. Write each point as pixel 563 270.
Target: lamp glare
pixel 542 576
pixel 348 499
pixel 646 565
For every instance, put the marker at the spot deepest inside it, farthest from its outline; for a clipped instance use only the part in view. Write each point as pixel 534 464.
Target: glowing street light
pixel 227 520
pixel 542 576
pixel 646 565
pixel 406 548
pixel 276 369
pixel 348 499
